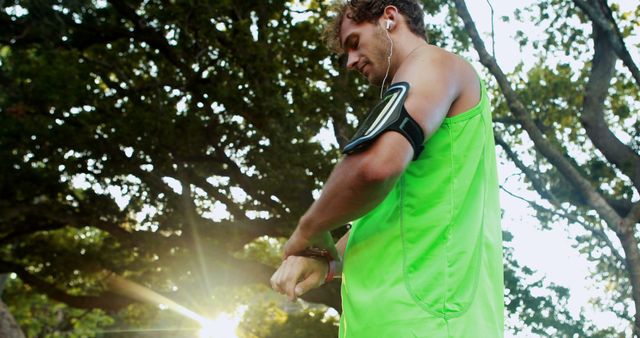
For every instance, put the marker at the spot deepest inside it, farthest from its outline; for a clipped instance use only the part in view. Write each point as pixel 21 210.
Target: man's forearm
pixel 347 195
pixel 357 185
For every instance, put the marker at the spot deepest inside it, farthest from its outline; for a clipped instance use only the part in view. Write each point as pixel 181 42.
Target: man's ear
pixel 390 15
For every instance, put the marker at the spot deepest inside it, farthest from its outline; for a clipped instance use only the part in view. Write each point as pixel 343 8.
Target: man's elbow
pixel 377 172
pixel 385 161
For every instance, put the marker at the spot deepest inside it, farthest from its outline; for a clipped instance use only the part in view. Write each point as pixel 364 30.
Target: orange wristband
pixel 332 271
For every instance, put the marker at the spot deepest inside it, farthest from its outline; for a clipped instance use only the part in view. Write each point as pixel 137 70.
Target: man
pixel 424 256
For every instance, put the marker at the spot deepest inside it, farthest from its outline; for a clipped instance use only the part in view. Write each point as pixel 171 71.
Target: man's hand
pixel 297 275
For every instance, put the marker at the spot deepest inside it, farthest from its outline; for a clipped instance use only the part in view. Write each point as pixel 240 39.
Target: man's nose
pixel 352 60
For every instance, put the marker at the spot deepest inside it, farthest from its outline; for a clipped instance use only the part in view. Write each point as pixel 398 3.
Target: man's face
pixel 367 46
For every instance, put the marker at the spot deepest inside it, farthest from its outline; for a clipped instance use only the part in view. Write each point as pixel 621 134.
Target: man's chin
pixel 374 80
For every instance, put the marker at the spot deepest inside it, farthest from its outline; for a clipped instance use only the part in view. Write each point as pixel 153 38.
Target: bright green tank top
pixel 427 261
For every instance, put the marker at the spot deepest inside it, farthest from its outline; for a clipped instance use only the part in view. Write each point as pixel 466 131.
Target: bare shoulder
pixel 425 64
pixel 441 78
pixel 437 79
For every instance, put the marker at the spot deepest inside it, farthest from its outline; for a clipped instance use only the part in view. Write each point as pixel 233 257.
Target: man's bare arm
pixel 357 185
pixel 362 180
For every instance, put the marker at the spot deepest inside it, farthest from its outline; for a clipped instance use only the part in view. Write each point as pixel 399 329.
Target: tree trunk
pixel 8 326
pixel 632 260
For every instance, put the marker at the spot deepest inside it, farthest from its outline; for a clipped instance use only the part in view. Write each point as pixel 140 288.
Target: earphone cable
pixel 388 63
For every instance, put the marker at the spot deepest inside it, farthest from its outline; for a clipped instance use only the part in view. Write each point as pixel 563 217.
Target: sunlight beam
pixel 224 326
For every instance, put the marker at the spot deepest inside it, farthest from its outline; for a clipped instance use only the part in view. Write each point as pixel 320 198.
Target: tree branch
pixel 251 228
pixel 534 178
pixel 599 233
pixel 27 31
pixel 338 117
pixel 147 34
pixel 107 300
pixel 235 174
pixel 546 148
pixel 506 120
pixel 603 65
pixel 633 217
pixel 600 14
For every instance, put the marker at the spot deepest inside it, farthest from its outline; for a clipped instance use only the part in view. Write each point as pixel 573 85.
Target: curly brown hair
pixel 370 11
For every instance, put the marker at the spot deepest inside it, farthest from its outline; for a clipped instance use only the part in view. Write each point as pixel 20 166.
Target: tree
pixel 171 143
pixel 155 140
pixel 580 115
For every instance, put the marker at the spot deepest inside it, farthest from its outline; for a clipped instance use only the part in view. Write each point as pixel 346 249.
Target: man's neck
pixel 403 48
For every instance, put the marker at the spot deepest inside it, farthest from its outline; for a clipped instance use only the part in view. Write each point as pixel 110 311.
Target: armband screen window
pixel 388 115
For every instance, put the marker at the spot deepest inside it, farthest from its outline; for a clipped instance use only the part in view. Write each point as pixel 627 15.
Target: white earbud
pixel 388 24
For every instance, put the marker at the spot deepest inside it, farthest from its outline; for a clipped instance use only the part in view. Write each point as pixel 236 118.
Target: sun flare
pixel 223 326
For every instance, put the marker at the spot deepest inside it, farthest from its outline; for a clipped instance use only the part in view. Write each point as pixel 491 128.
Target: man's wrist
pixel 316 252
pixel 334 264
pixel 305 229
